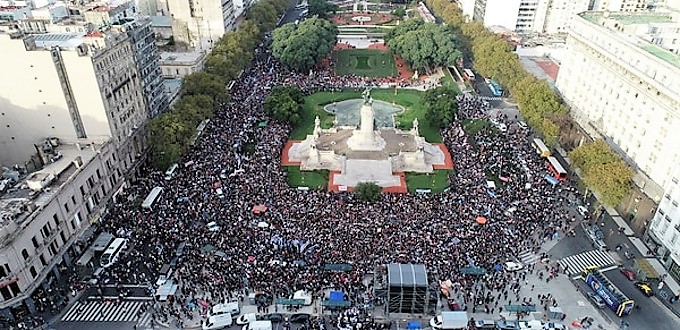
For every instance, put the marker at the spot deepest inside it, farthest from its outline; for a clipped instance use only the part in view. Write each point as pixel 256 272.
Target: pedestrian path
pixel 96 311
pixel 528 257
pixel 575 264
pixel 145 322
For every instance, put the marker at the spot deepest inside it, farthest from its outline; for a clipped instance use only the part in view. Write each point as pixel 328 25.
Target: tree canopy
pixel 603 171
pixel 441 105
pixel 367 191
pixel 321 8
pixel 285 104
pixel 301 46
pixel 424 45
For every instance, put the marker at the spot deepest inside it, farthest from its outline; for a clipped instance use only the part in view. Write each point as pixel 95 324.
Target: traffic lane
pixel 291 16
pixel 569 245
pixel 649 312
pixel 93 325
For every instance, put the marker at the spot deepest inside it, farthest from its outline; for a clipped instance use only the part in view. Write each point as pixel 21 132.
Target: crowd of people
pixel 307 229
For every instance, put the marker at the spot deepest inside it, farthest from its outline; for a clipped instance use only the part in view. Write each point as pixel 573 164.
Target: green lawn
pixel 437 181
pixel 365 62
pixel 311 179
pixel 410 99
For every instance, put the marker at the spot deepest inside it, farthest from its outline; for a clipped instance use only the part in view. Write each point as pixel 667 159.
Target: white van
pixel 170 172
pixel 231 308
pixel 216 322
pixel 258 325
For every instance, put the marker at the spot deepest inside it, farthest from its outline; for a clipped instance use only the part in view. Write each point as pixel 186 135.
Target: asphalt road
pixel 651 314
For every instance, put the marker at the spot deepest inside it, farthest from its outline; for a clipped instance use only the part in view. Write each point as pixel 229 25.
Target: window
pixel 66 208
pixel 4 270
pixel 55 217
pixel 24 254
pixel 33 272
pixel 42 260
pixel 675 203
pixel 35 241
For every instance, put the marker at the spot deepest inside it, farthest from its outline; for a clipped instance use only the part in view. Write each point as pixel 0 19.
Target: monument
pixel 370 150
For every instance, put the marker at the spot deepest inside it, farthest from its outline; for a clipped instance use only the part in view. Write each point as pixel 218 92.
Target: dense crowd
pixel 307 229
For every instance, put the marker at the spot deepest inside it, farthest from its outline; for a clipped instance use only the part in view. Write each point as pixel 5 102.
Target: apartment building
pixel 201 24
pixel 79 88
pixel 621 78
pixel 664 232
pixel 44 215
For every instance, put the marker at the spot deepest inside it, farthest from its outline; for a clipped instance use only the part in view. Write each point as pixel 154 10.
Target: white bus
pixel 540 148
pixel 112 252
pixel 469 74
pixel 152 197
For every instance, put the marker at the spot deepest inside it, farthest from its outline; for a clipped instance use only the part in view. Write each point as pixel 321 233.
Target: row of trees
pixel 441 106
pixel 602 171
pixel 424 45
pixel 206 91
pixel 539 105
pixel 300 46
pixel 285 104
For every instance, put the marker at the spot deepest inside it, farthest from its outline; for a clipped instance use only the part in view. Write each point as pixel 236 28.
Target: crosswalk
pixel 96 311
pixel 578 262
pixel 491 98
pixel 528 258
pixel 145 322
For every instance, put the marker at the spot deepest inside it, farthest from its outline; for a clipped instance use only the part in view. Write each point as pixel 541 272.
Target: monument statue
pixel 414 130
pixel 366 94
pixel 366 138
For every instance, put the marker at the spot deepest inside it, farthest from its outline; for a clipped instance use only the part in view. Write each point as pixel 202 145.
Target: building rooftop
pixel 161 21
pixel 640 28
pixel 27 197
pixel 187 58
pixel 64 40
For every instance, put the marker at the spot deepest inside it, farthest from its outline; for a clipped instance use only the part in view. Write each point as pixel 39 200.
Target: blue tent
pixel 336 296
pixel 413 325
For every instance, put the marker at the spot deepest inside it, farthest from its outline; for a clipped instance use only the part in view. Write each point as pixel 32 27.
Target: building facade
pixel 664 232
pixel 40 226
pixel 179 65
pixel 201 24
pixel 77 88
pixel 623 86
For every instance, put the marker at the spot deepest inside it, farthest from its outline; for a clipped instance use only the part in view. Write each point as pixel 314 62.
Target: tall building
pixel 45 215
pixel 78 88
pixel 621 78
pixel 621 5
pixel 201 24
pixel 664 232
pixel 148 61
pixel 524 16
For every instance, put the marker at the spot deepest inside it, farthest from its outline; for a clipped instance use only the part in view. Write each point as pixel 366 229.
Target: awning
pixel 643 266
pixel 85 258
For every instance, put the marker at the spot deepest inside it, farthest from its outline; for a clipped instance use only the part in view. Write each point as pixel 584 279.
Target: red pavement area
pixel 549 67
pixel 284 154
pixel 448 161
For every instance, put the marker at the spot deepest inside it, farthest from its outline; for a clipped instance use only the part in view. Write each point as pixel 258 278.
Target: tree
pixel 603 171
pixel 264 14
pixel 301 46
pixel 203 83
pixel 441 105
pixel 399 12
pixel 367 191
pixel 285 104
pixel 321 8
pixel 424 45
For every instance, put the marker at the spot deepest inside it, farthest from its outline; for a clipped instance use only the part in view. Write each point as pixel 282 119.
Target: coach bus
pixel 112 252
pixel 469 75
pixel 616 300
pixel 540 148
pixel 152 197
pixel 495 88
pixel 556 169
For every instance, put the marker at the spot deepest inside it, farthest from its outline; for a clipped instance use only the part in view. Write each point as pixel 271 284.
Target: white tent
pixel 301 294
pixel 454 320
pixel 165 290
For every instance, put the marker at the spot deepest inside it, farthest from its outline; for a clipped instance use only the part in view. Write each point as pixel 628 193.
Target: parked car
pixel 629 274
pixel 485 324
pixel 507 325
pixel 554 326
pixel 645 287
pixel 597 300
pixel 513 266
pixel 582 210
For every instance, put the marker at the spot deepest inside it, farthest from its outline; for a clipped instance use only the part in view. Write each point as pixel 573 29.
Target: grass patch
pixel 437 181
pixel 474 126
pixel 448 80
pixel 410 99
pixel 312 179
pixel 365 62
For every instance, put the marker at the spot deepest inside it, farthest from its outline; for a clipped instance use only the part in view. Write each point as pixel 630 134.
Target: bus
pixel 469 75
pixel 152 197
pixel 112 252
pixel 495 88
pixel 540 148
pixel 616 300
pixel 556 169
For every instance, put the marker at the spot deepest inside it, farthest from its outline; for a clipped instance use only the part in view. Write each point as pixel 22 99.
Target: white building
pixel 76 88
pixel 524 16
pixel 621 5
pixel 45 213
pixel 621 85
pixel 664 231
pixel 201 24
